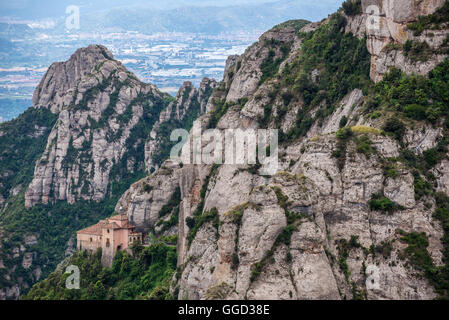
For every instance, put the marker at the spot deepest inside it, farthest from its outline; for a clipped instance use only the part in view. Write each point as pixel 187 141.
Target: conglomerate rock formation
pixel 245 242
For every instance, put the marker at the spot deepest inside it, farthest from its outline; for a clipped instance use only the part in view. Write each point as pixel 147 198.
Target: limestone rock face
pixel 245 255
pixel 244 73
pixel 422 138
pixel 441 172
pixel 143 201
pixel 99 104
pixel 386 24
pixel 204 92
pixel 309 231
pixel 333 204
pixel 357 25
pixel 64 76
pixel 189 102
pixel 256 248
pixel 345 109
pixel 107 130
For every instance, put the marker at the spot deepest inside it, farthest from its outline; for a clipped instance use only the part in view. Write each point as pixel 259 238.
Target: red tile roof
pixel 93 230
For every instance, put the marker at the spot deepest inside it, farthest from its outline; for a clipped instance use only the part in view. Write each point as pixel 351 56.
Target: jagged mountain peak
pixel 62 77
pixel 189 103
pixel 104 114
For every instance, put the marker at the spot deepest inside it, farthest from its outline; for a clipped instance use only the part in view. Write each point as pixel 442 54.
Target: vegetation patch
pixel 441 282
pixel 343 137
pixel 344 247
pixel 236 215
pixel 433 21
pixel 417 51
pixel 414 97
pixel 21 147
pixel 419 257
pixel 284 236
pixel 173 221
pixel 365 145
pixel 135 143
pixel 219 292
pixel 197 222
pixel 390 169
pixel 366 130
pixel 422 187
pixel 199 218
pixel 417 250
pixel 220 108
pixel 379 202
pixel 343 62
pixel 395 128
pixel 283 201
pixel 172 203
pixel 297 24
pixel 270 66
pixel 54 225
pixel 352 7
pixel 384 249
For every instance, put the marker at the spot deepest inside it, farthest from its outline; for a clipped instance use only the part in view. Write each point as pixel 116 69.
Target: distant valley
pixel 164 59
pixel 162 44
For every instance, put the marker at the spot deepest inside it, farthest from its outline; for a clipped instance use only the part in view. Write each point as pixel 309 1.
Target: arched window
pixel 108 244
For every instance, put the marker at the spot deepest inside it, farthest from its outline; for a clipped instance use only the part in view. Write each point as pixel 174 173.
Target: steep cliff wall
pixel 389 30
pixel 187 106
pixel 356 198
pixel 67 160
pixel 101 112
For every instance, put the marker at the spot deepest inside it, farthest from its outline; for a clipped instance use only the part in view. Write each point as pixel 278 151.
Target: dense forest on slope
pixel 55 223
pixel 344 63
pixel 22 141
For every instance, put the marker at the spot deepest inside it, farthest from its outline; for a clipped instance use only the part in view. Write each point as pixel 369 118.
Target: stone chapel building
pixel 112 234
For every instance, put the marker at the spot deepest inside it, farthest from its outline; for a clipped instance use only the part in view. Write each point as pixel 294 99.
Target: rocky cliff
pixel 93 130
pixel 100 105
pixel 388 30
pixel 188 105
pixel 357 208
pixel 359 205
pixel 106 116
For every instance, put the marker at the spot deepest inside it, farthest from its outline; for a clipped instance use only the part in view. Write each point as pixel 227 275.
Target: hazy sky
pixel 41 9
